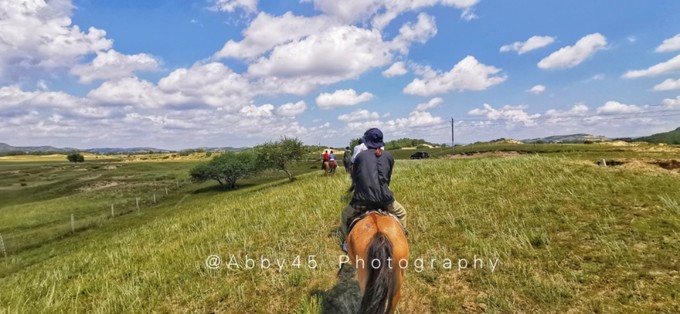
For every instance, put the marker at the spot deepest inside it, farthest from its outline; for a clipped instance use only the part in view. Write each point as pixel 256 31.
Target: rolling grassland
pixel 525 233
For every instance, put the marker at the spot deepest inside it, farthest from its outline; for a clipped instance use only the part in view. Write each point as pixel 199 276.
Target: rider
pixel 331 157
pixel 346 159
pixel 325 159
pixel 372 173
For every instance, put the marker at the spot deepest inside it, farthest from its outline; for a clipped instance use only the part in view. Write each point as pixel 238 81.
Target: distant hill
pixel 407 142
pixel 670 137
pixel 571 138
pixel 6 149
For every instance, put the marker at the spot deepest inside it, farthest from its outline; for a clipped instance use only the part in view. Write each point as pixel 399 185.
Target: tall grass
pixel 568 235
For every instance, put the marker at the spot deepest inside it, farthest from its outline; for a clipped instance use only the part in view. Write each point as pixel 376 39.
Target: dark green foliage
pixel 671 137
pixel 406 142
pixel 354 142
pixel 75 157
pixel 280 154
pixel 226 169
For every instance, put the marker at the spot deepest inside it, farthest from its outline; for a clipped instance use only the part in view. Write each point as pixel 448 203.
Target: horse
pixel 330 166
pixel 378 249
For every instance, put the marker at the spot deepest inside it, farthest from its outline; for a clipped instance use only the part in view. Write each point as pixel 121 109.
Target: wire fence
pixel 17 240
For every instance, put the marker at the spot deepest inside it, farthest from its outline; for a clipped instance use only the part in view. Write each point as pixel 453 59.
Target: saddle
pixel 361 211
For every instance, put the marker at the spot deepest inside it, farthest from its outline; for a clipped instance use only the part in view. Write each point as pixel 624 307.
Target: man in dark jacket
pixel 372 173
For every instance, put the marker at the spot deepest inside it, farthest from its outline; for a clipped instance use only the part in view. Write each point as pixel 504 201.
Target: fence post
pixel 2 247
pixel 154 198
pixel 73 227
pixel 166 191
pixel 137 200
pixel 112 213
pixel 177 183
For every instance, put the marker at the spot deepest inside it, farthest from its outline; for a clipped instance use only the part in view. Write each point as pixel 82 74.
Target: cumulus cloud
pixel 468 74
pixel 424 29
pixel 212 84
pixel 670 44
pixel 249 6
pixel 336 54
pixel 537 90
pixel 672 103
pixel 669 66
pixel 292 109
pixel 512 114
pixel 468 14
pixel 433 103
pixel 114 65
pixel 267 31
pixel 532 43
pixel 669 84
pixel 571 56
pixel 396 69
pixel 577 110
pixel 253 111
pixel 37 36
pixel 358 115
pixel 615 107
pixel 382 12
pixel 343 97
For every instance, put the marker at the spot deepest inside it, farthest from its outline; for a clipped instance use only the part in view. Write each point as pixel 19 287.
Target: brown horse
pixel 330 166
pixel 378 249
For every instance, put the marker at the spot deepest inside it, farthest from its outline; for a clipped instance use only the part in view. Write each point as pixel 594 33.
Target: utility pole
pixel 453 133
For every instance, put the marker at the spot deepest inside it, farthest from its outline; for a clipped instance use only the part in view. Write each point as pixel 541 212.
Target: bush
pixel 226 169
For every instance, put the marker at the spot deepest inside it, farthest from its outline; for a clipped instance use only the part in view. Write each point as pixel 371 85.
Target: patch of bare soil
pixel 486 154
pixel 661 166
pixel 98 186
pixel 110 167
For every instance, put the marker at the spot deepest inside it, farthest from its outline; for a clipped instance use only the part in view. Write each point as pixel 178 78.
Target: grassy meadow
pixel 568 236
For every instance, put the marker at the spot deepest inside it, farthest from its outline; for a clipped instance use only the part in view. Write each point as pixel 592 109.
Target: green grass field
pixel 568 236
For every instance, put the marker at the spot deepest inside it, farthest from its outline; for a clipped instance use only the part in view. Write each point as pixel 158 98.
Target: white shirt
pixel 360 148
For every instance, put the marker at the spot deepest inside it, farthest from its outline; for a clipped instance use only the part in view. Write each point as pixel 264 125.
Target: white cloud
pixel 513 114
pixel 37 36
pixel 468 14
pixel 615 107
pixel 396 69
pixel 423 30
pixel 358 115
pixel 253 111
pixel 433 103
pixel 669 84
pixel 133 92
pixel 333 55
pixel 672 103
pixel 343 97
pixel 670 44
pixel 468 74
pixel 114 65
pixel 231 5
pixel 532 43
pixel 571 56
pixel 537 90
pixel 669 66
pixel 393 8
pixel 266 32
pixel 212 84
pixel 577 110
pixel 292 109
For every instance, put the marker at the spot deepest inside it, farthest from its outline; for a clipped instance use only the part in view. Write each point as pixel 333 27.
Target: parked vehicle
pixel 420 155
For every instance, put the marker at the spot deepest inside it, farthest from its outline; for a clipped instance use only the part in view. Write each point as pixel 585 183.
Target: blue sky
pixel 178 74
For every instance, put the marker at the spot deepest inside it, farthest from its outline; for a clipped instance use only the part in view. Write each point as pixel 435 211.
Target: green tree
pixel 75 157
pixel 354 142
pixel 226 169
pixel 280 154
